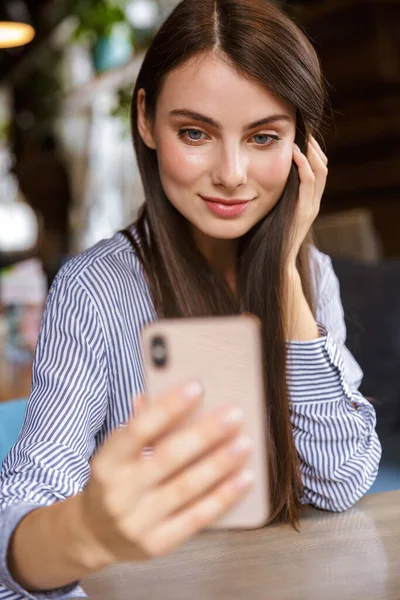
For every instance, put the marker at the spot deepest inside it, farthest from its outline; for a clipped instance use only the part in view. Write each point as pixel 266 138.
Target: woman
pixel 225 112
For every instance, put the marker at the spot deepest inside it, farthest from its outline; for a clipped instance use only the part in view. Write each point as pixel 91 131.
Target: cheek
pixel 273 173
pixel 178 164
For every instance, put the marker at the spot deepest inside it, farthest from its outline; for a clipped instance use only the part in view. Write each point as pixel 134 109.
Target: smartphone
pixel 225 355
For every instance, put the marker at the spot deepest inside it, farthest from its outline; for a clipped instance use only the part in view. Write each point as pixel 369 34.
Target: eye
pixel 190 135
pixel 265 139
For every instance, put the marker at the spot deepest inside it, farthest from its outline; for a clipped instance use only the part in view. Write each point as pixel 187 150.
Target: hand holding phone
pixel 225 355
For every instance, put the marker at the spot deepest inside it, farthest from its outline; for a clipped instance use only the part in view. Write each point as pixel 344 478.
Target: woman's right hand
pixel 136 506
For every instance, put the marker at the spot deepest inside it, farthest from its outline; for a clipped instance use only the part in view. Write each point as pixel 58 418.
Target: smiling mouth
pixel 225 209
pixel 232 202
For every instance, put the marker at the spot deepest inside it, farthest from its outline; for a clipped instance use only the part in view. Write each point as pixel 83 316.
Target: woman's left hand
pixel 313 171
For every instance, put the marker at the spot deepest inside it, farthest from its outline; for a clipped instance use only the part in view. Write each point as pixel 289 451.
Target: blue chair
pixel 388 478
pixel 11 418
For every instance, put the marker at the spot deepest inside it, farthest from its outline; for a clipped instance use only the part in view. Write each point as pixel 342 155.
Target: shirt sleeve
pixel 333 424
pixel 66 410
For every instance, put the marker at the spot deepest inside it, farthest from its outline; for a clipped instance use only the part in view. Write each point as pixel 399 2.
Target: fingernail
pixel 295 146
pixel 240 446
pixel 244 480
pixel 192 391
pixel 232 417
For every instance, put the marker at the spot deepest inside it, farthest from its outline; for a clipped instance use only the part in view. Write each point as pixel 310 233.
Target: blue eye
pixel 192 135
pixel 261 139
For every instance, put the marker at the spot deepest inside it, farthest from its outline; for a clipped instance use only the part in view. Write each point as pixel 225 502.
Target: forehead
pixel 210 86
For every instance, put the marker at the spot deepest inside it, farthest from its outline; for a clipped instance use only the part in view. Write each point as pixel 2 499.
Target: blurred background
pixel 68 175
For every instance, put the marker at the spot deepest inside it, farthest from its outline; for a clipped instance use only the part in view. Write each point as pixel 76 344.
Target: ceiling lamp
pixel 15 29
pixel 15 34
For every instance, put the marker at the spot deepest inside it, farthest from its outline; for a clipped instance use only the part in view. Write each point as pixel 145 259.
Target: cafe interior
pixel 68 179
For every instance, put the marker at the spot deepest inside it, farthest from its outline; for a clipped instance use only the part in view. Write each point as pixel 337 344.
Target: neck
pixel 220 254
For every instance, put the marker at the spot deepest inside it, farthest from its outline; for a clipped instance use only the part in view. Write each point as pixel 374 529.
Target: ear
pixel 143 123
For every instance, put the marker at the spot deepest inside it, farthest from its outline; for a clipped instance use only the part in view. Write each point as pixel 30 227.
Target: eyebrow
pixel 209 121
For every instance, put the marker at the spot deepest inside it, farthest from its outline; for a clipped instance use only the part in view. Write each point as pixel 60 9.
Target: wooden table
pixel 348 556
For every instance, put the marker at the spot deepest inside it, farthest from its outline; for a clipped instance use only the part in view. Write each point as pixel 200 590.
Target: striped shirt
pixel 88 367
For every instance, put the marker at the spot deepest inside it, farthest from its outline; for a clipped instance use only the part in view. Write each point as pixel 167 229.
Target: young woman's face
pixel 224 147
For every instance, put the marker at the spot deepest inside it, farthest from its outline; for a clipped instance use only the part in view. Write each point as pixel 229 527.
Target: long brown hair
pixel 265 46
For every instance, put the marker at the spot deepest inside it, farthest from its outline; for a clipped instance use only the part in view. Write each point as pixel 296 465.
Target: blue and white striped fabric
pixel 88 368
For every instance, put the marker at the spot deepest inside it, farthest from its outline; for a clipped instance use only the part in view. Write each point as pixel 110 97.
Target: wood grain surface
pixel 353 555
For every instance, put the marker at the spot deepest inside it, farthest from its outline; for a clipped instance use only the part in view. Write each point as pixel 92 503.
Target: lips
pixel 225 209
pixel 223 201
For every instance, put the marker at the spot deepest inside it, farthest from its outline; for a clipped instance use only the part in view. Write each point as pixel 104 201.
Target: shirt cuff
pixel 315 370
pixel 9 519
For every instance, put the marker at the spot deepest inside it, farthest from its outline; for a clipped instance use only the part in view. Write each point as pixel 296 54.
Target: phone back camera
pixel 159 353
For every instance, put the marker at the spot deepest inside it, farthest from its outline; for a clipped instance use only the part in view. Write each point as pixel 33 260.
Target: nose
pixel 230 169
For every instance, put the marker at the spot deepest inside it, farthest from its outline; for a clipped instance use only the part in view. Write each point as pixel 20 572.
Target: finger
pixel 315 160
pixel 318 148
pixel 306 175
pixel 320 172
pixel 139 404
pixel 194 482
pixel 201 514
pixel 180 449
pixel 154 420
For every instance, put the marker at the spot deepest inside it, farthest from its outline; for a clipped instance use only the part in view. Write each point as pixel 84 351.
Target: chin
pixel 225 229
